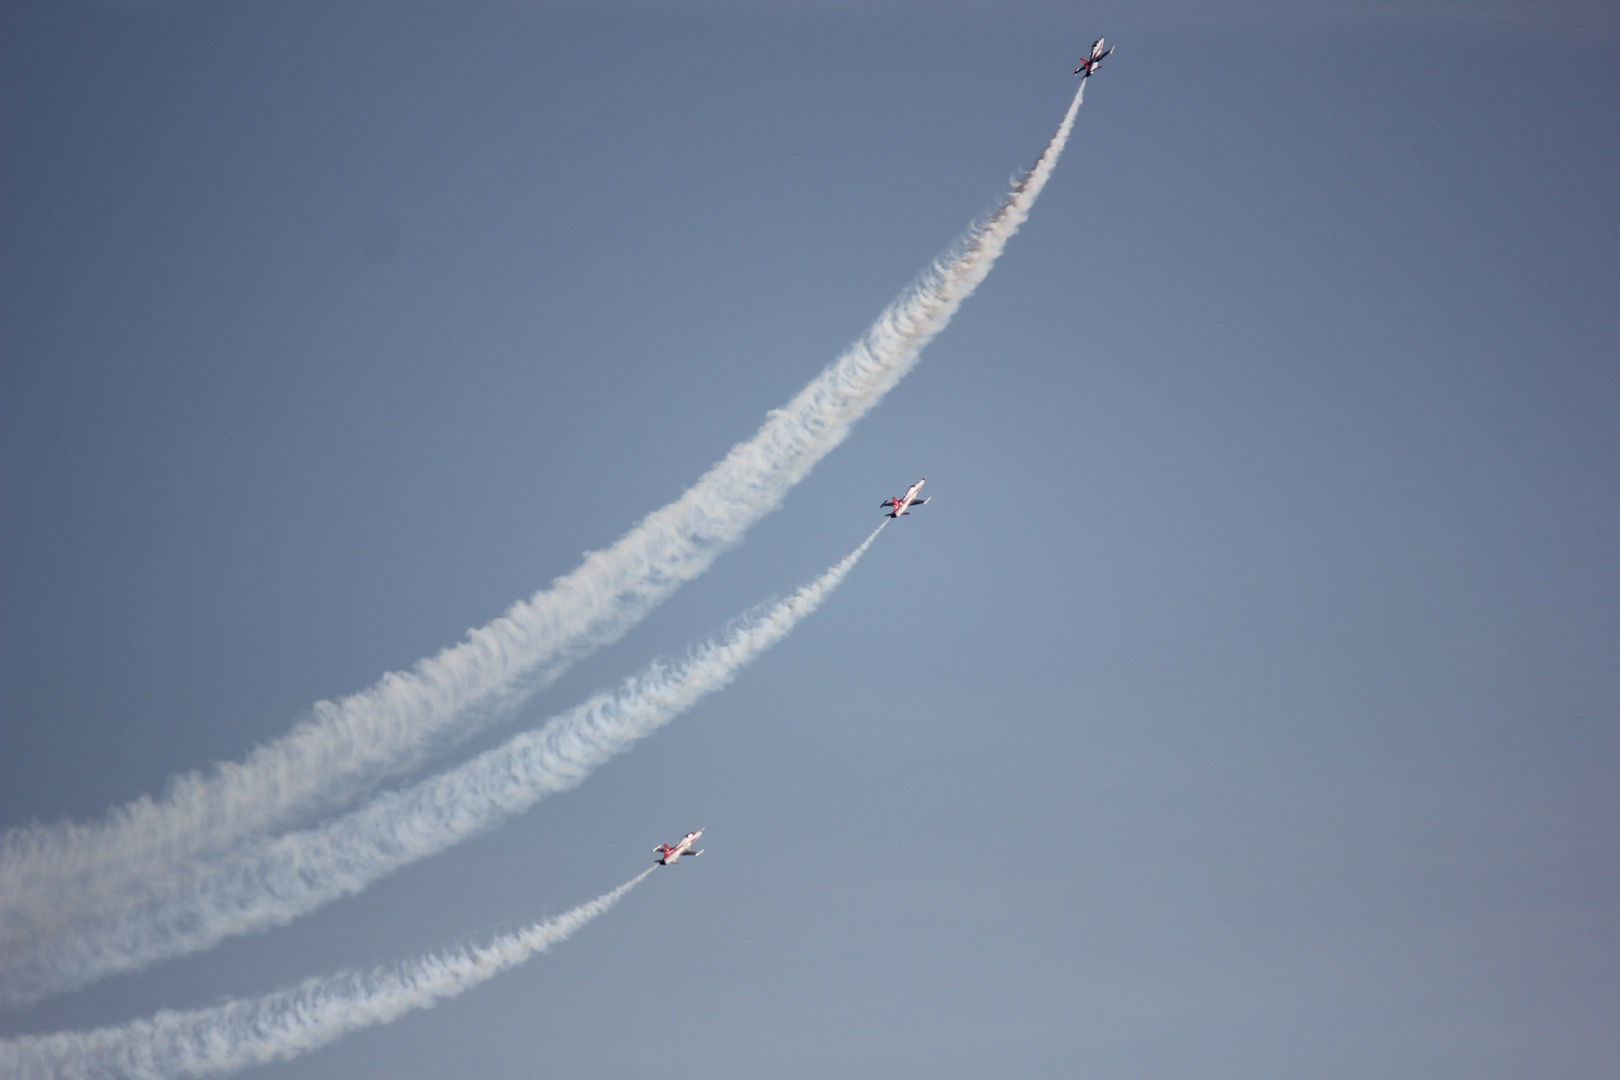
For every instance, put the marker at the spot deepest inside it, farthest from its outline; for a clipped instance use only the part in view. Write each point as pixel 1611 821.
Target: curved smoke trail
pixel 54 877
pixel 300 871
pixel 242 1032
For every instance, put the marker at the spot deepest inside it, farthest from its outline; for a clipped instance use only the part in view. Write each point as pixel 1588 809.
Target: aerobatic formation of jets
pixel 670 854
pixel 1088 66
pixel 279 1025
pixel 898 506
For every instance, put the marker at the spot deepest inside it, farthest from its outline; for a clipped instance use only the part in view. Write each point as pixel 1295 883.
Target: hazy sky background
pixel 1244 704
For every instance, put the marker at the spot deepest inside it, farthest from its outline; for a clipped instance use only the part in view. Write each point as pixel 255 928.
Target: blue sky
pixel 1243 705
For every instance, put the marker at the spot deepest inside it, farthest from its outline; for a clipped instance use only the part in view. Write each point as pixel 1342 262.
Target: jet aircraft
pixel 1089 64
pixel 669 856
pixel 899 506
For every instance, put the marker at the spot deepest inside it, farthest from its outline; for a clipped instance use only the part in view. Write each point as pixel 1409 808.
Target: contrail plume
pixel 300 871
pixel 242 1032
pixel 53 878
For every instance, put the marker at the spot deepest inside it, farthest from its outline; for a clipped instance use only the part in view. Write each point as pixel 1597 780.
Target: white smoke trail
pixel 300 871
pixel 238 1033
pixel 54 877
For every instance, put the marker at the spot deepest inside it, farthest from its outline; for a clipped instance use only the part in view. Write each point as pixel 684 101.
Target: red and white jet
pixel 669 856
pixel 1089 64
pixel 900 505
